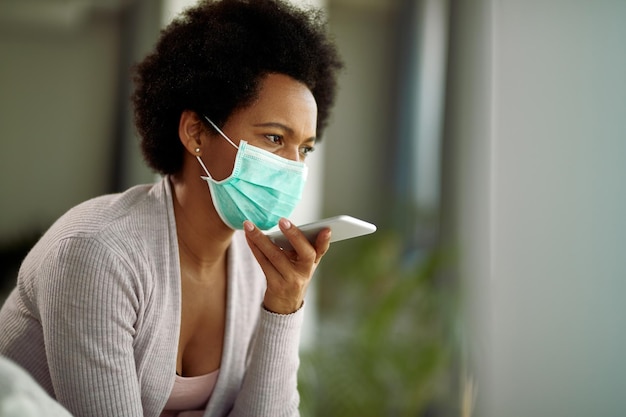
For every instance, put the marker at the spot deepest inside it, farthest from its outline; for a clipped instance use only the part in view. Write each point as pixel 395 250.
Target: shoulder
pixel 122 231
pixel 135 214
pixel 136 205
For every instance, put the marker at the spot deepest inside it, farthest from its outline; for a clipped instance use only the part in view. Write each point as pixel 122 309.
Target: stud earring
pixel 197 150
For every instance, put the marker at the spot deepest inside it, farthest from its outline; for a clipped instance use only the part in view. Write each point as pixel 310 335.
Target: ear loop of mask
pixel 203 166
pixel 224 136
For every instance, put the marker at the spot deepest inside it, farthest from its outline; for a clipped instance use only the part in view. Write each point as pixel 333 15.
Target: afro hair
pixel 211 60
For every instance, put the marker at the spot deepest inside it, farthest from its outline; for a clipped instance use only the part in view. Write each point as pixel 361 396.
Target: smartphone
pixel 342 227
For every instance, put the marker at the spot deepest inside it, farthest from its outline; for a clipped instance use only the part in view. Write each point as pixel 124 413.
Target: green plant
pixel 385 344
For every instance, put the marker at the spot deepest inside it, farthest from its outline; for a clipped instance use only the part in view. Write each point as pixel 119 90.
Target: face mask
pixel 262 188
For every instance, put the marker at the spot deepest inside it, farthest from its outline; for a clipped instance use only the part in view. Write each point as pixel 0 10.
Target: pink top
pixel 190 395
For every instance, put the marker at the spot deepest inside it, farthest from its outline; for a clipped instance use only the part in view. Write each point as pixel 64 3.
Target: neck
pixel 203 238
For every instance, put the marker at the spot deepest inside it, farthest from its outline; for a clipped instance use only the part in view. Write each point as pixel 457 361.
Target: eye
pixel 306 150
pixel 277 139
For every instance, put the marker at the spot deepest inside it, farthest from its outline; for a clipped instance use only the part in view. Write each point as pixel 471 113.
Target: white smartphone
pixel 342 227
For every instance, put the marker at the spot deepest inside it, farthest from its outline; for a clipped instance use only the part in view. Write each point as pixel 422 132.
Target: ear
pixel 190 129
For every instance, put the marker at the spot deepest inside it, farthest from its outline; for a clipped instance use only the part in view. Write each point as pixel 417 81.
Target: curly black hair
pixel 211 60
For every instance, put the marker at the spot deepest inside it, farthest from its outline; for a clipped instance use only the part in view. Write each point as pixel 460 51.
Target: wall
pixel 58 89
pixel 65 124
pixel 359 137
pixel 535 197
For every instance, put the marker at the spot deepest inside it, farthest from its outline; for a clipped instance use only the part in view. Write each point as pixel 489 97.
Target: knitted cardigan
pixel 95 316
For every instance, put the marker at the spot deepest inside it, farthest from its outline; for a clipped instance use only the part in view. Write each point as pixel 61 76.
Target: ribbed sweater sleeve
pixel 270 384
pixel 88 310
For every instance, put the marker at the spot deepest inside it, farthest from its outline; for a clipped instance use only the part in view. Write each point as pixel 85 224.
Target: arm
pixel 270 384
pixel 88 309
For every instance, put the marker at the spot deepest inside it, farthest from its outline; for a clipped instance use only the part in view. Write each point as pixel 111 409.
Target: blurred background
pixel 486 140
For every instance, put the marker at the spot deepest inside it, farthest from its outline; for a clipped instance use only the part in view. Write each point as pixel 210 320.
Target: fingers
pixel 301 244
pixel 305 252
pixel 288 272
pixel 322 244
pixel 269 256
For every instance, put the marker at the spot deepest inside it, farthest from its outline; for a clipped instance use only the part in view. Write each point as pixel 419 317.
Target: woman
pixel 152 302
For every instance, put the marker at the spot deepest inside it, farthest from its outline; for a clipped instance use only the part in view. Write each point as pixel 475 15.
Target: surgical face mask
pixel 262 188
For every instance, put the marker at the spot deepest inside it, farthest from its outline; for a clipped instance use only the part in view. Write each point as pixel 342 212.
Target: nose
pixel 291 152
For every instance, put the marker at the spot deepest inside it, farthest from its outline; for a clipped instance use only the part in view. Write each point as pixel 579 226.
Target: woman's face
pixel 282 120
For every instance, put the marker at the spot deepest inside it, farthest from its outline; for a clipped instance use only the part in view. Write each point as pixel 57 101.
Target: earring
pixel 197 150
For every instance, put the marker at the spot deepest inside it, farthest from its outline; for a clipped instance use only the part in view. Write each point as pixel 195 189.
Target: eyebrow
pixel 283 127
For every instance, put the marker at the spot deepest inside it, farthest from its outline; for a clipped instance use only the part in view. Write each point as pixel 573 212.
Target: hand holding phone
pixel 342 227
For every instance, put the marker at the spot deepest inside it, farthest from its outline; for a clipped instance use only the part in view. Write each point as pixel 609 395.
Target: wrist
pixel 282 306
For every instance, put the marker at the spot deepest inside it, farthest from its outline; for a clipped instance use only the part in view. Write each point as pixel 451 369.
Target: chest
pixel 202 326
